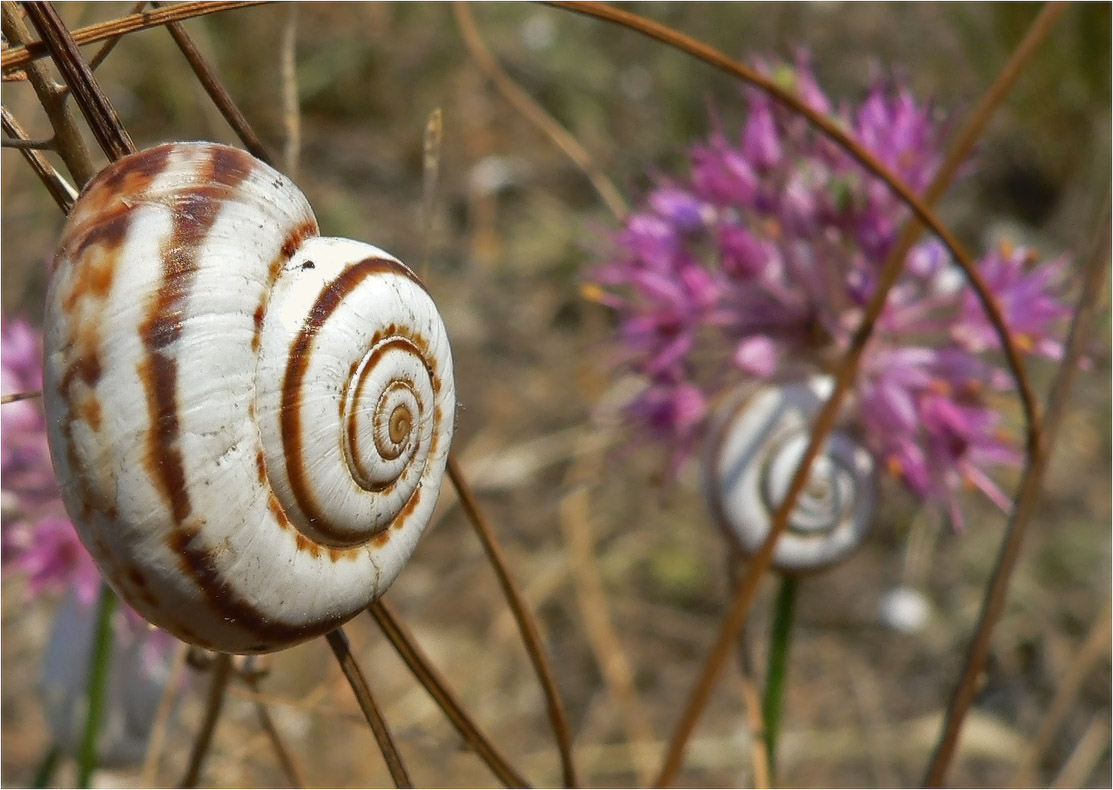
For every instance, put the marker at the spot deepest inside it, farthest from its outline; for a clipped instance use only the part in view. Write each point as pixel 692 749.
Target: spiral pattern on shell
pixel 250 423
pixel 755 446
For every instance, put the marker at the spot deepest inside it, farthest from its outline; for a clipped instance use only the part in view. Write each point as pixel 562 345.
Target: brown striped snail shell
pixel 250 423
pixel 755 444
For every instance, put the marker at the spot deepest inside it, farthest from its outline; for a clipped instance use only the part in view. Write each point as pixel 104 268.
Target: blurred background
pixel 515 227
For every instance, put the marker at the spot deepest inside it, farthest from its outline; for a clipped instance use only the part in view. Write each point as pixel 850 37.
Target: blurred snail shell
pixel 754 448
pixel 249 422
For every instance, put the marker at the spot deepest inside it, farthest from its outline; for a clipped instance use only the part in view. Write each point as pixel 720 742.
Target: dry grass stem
pixel 221 669
pixel 537 114
pixel 527 624
pixel 595 611
pixel 31 51
pixel 352 673
pixel 68 140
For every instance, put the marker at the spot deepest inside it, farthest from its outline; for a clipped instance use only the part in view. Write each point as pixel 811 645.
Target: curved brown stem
pixel 537 114
pixel 527 626
pixel 994 602
pixel 413 657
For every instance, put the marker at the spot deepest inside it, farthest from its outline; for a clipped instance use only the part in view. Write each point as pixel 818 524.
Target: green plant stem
pixel 99 662
pixel 44 774
pixel 784 610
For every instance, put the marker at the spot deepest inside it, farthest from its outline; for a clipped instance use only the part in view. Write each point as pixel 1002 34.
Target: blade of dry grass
pixel 291 109
pixel 281 751
pixel 1095 646
pixel 60 190
pixel 33 50
pixel 610 655
pixel 210 81
pixel 218 687
pixel 1086 754
pixel 422 668
pixel 67 137
pixel 338 641
pixel 431 169
pixel 535 113
pixel 527 625
pixel 99 113
pixel 162 716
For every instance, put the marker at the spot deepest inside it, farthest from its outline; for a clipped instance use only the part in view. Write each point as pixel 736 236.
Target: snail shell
pixel 754 448
pixel 249 422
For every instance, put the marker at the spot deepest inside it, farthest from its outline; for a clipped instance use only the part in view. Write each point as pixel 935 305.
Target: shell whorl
pixel 250 422
pixel 754 448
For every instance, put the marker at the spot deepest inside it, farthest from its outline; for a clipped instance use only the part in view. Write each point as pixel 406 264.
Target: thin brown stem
pixel 33 50
pixel 291 110
pixel 17 396
pixel 422 668
pixel 69 143
pixel 101 116
pixel 1096 263
pixel 59 189
pixel 594 608
pixel 535 113
pixel 1094 647
pixel 218 686
pixel 278 745
pixel 29 145
pixel 431 169
pixel 343 652
pixel 157 739
pixel 956 154
pixel 210 81
pixel 110 44
pixel 527 626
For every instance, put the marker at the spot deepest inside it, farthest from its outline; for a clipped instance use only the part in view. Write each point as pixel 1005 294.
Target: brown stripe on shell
pixel 112 191
pixel 196 207
pixel 389 266
pixel 330 298
pixel 199 564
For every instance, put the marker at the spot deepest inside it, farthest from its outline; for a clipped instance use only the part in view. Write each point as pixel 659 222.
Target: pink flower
pixel 762 259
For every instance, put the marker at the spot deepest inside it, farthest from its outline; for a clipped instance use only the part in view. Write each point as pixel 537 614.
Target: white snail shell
pixel 754 448
pixel 249 422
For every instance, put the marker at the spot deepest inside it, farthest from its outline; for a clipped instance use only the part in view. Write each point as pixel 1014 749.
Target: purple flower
pixel 762 259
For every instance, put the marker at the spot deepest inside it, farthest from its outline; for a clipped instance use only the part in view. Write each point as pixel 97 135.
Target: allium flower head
pixel 762 259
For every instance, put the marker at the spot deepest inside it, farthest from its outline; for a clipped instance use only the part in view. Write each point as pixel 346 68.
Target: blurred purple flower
pixel 763 259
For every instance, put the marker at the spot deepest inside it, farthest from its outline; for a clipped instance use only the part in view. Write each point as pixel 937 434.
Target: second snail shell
pixel 250 423
pixel 755 445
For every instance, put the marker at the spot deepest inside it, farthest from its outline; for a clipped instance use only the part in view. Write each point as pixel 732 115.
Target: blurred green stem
pixel 784 609
pixel 44 774
pixel 99 658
